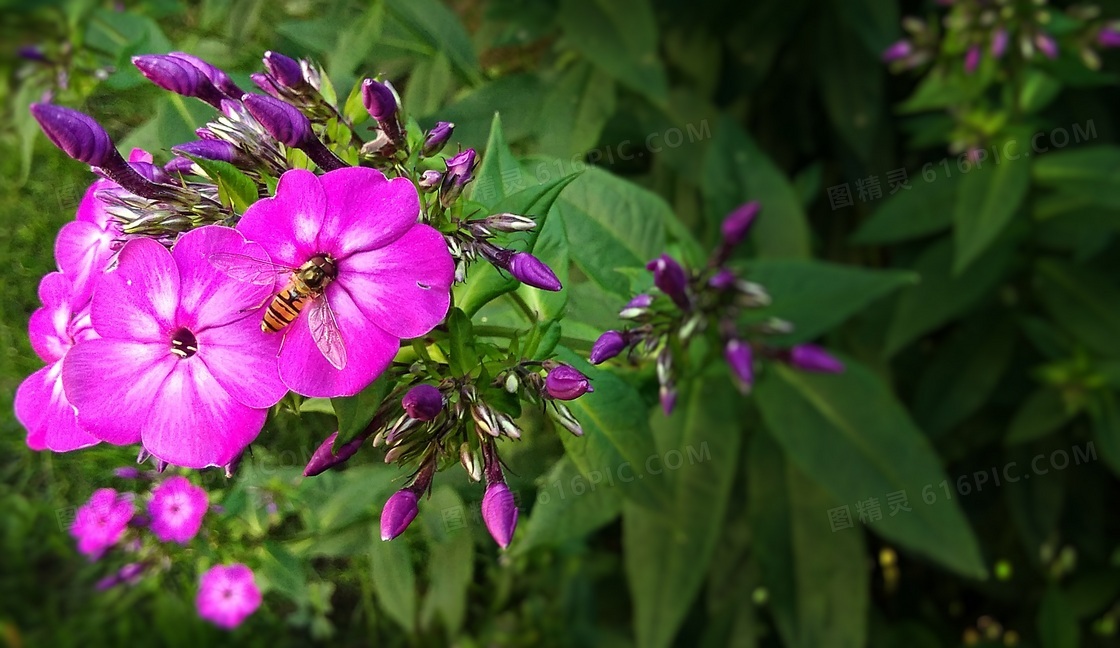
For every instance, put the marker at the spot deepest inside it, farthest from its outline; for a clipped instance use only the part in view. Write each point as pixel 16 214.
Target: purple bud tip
pixel 999 43
pixel 423 402
pixel 219 150
pixel 324 458
pixel 669 276
pixel 379 99
pixel 178 76
pixel 398 513
pixel 898 50
pixel 127 472
pixel 285 70
pixel 640 301
pixel 461 165
pixel 972 59
pixel 740 357
pixel 1047 45
pixel 499 511
pixel 723 279
pixel 566 383
pixel 1108 37
pixel 76 133
pixel 738 223
pixel 282 121
pixel 607 346
pixel 217 76
pixel 531 271
pixel 179 165
pixel 437 138
pixel 32 53
pixel 430 179
pixel 810 357
pixel 668 396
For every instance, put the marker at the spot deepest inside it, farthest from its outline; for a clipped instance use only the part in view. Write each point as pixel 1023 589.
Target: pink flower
pixel 41 404
pixel 177 508
pixel 227 595
pixel 180 366
pixel 393 276
pixel 100 522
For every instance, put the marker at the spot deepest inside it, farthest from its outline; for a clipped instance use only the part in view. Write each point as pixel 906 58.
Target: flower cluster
pixel 687 303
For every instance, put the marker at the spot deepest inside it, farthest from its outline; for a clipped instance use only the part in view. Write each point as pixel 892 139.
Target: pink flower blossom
pixel 177 508
pixel 227 595
pixel 180 366
pixel 393 274
pixel 40 403
pixel 100 522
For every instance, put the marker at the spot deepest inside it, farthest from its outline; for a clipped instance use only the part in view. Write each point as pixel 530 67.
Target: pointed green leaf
pixel 986 202
pixel 560 516
pixel 394 578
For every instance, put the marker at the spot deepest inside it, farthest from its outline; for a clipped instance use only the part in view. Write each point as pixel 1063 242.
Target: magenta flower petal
pixel 100 522
pixel 49 326
pixel 177 509
pixel 242 359
pixel 139 299
pixel 227 595
pixel 114 385
pixel 83 251
pixel 41 406
pixel 369 351
pixel 92 210
pixel 209 296
pixel 287 225
pixel 405 286
pixel 365 211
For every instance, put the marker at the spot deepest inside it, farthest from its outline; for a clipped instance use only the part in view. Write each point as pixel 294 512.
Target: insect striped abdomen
pixel 283 309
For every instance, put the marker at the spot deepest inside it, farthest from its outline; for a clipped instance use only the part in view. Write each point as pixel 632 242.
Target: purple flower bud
pixel 1047 45
pixel 510 223
pixel 972 59
pixel 217 76
pixel 324 457
pixel 810 357
pixel 430 179
pixel 736 225
pixel 380 100
pixel 531 271
pixel 999 43
pixel 285 70
pixel 499 511
pixel 670 277
pixel 1108 37
pixel 461 165
pixel 77 134
pixel 398 513
pixel 178 76
pixel 127 472
pixel 32 53
pixel 219 150
pixel 636 306
pixel 131 572
pixel 282 121
pixel 607 346
pixel 897 50
pixel 566 383
pixel 668 396
pixel 423 402
pixel 266 84
pixel 179 165
pixel 437 138
pixel 107 583
pixel 740 357
pixel 723 279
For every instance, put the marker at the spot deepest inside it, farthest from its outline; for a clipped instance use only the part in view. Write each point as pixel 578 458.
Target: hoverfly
pixel 306 285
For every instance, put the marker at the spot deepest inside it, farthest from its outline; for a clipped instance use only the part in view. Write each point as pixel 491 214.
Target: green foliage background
pixel 978 313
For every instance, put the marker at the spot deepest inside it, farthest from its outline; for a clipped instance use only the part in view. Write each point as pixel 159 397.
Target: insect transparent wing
pixel 247 269
pixel 324 330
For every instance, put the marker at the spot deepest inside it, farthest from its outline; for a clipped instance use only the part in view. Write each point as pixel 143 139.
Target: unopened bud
pixel 423 402
pixel 470 462
pixel 670 278
pixel 178 76
pixel 531 271
pixel 609 345
pixel 219 150
pixel 282 121
pixel 565 418
pixel 740 358
pixel 636 307
pixel 460 171
pixel 566 383
pixel 897 51
pixel 324 458
pixel 810 357
pixel 399 512
pixel 437 138
pixel 380 101
pixel 430 180
pixel 510 223
pixel 76 133
pixel 284 70
pixel 217 76
pixel 738 223
pixel 499 511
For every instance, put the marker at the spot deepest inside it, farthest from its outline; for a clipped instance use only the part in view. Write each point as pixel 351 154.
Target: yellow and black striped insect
pixel 306 285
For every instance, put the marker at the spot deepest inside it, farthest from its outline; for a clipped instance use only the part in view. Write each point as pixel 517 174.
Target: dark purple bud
pixel 131 573
pixel 107 583
pixel 810 357
pixel 499 511
pixel 380 100
pixel 32 53
pixel 531 271
pixel 972 59
pixel 324 458
pixel 127 472
pixel 738 223
pixel 461 165
pixel 179 165
pixel 668 396
pixel 607 346
pixel 898 50
pixel 437 138
pixel 178 76
pixel 740 357
pixel 430 180
pixel 285 70
pixel 282 121
pixel 999 43
pixel 150 172
pixel 636 306
pixel 139 520
pixel 77 134
pixel 219 150
pixel 398 513
pixel 217 76
pixel 723 279
pixel 265 83
pixel 566 383
pixel 1108 37
pixel 670 277
pixel 423 402
pixel 1047 45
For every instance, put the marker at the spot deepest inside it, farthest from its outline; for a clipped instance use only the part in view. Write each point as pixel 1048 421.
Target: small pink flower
pixel 227 595
pixel 40 403
pixel 100 522
pixel 393 274
pixel 180 365
pixel 177 508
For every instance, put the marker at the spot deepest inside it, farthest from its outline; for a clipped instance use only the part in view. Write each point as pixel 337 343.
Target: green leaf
pixel 620 37
pixel 434 23
pixel 450 563
pixel 464 358
pixel 499 172
pixel 986 202
pixel 941 296
pixel 1105 412
pixel 924 209
pixel 1082 302
pixel 1043 413
pixel 617 440
pixel 560 515
pixel 428 86
pixel 282 571
pixel 818 587
pixel 394 579
pixel 1091 173
pixel 1057 627
pixel 235 189
pixel 355 412
pixel 576 110
pixel 550 247
pixel 737 171
pixel 667 549
pixel 175 120
pixel 816 296
pixel 518 95
pixel 851 80
pixel 856 440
